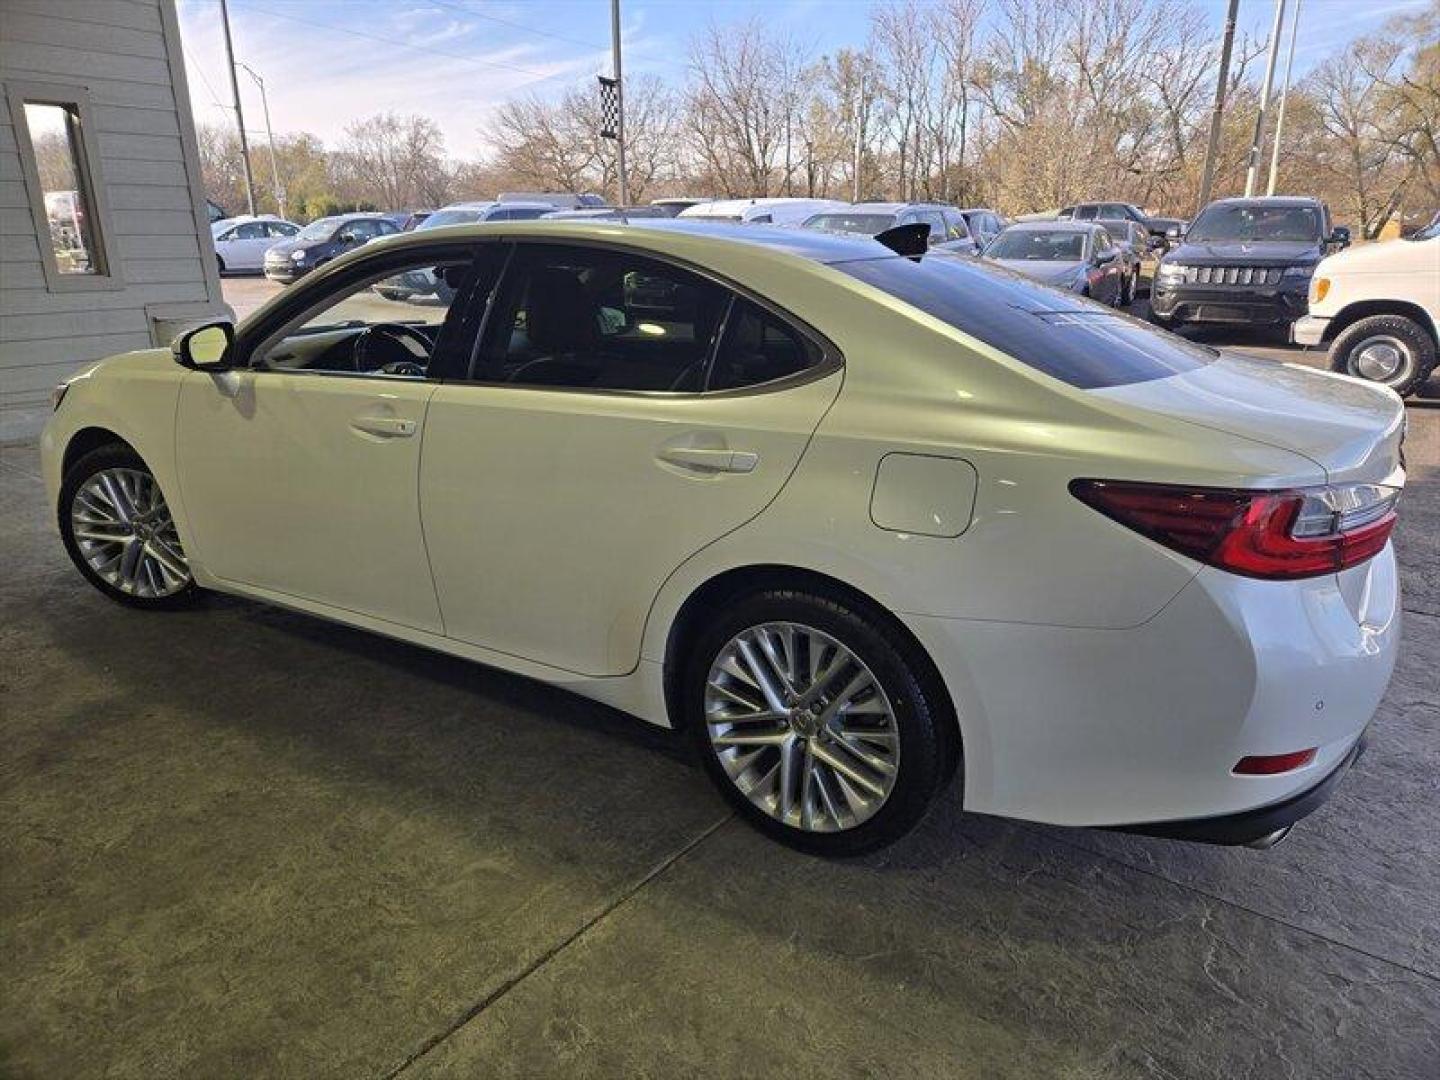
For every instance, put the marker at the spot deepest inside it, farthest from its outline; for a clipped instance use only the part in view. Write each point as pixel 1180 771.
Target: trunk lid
pixel 1350 429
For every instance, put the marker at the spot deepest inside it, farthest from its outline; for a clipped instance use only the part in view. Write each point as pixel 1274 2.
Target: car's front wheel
pixel 816 722
pixel 119 531
pixel 1388 349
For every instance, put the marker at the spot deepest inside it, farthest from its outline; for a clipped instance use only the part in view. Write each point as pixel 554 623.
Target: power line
pixel 403 44
pixel 514 25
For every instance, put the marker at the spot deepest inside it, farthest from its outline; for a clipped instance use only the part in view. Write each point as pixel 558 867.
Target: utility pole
pixel 1213 147
pixel 1252 169
pixel 619 104
pixel 1284 95
pixel 239 116
pixel 270 138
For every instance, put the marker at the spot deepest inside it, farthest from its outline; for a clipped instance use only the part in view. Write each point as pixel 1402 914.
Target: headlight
pixel 1300 270
pixel 58 395
pixel 1319 288
pixel 1170 272
pixel 298 255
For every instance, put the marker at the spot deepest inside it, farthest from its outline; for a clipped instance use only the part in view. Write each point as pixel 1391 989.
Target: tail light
pixel 1273 764
pixel 1298 533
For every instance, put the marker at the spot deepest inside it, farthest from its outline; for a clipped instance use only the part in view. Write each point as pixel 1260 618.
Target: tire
pixel 877 697
pixel 1367 350
pixel 220 264
pixel 107 487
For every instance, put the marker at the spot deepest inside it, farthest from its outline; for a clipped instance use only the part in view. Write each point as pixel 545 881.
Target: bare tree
pixel 396 161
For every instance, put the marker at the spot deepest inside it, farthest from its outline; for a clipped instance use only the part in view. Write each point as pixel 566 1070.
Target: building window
pixel 60 164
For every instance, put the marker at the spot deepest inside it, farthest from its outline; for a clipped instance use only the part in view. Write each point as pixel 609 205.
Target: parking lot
pixel 240 841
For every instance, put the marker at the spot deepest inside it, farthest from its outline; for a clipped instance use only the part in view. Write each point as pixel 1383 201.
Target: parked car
pixel 320 241
pixel 214 211
pixel 984 224
pixel 555 200
pixel 1122 579
pixel 1164 227
pixel 1136 245
pixel 675 203
pixel 406 220
pixel 776 211
pixel 1078 256
pixel 948 230
pixel 423 287
pixel 241 243
pixel 1245 261
pixel 1378 308
pixel 608 213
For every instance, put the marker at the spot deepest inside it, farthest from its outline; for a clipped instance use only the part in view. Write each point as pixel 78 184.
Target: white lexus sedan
pixel 854 521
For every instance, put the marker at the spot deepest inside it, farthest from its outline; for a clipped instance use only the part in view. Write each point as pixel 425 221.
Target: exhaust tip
pixel 1270 840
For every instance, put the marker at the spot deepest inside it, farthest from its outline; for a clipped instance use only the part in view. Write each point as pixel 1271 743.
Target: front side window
pixel 589 319
pixel 66 189
pixel 281 229
pixel 1086 213
pixel 251 230
pixel 383 325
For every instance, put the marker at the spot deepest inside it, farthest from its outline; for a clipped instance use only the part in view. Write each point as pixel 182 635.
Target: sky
pixel 326 63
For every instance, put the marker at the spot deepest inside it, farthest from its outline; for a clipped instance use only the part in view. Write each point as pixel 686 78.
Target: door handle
pixel 387 427
pixel 703 459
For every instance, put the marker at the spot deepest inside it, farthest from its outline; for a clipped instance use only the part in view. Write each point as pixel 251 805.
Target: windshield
pixel 1256 223
pixel 1038 245
pixel 450 217
pixel 1429 232
pixel 866 224
pixel 319 229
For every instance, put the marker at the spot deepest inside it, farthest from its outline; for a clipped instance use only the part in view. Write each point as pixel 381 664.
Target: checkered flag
pixel 609 107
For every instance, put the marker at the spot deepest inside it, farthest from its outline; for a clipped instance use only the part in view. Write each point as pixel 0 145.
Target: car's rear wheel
pixel 1388 349
pixel 814 722
pixel 119 531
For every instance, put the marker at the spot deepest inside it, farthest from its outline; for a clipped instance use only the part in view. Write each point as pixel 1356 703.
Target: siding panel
pixel 41 301
pixel 94 13
pixel 141 148
pixel 46 30
pixel 59 64
pixel 127 120
pixel 73 324
pixel 125 197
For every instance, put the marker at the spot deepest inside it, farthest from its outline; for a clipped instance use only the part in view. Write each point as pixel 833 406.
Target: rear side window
pixel 1080 343
pixel 759 348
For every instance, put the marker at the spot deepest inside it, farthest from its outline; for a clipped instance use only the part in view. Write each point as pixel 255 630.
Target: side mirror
pixel 1158 243
pixel 1173 232
pixel 347 237
pixel 1103 257
pixel 205 348
pixel 1340 236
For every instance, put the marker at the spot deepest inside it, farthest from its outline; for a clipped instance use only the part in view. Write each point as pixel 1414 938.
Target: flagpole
pixel 619 104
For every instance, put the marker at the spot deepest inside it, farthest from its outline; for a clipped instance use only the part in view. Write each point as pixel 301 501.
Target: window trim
pixel 831 359
pixel 89 178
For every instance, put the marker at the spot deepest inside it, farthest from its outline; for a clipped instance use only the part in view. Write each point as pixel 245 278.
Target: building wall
pixel 127 56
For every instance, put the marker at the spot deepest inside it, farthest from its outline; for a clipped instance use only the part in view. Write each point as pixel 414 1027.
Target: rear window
pixel 1074 340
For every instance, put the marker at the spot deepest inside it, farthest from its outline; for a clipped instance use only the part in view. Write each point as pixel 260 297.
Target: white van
pixel 761 211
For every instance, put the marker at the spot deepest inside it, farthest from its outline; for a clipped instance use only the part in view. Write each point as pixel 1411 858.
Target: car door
pixel 624 413
pixel 300 471
pixel 248 246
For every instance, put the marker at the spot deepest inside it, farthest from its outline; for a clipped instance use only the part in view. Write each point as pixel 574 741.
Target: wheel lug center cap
pixel 804 722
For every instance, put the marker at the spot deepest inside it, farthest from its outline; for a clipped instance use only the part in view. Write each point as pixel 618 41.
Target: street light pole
pixel 239 116
pixel 1252 170
pixel 270 137
pixel 1213 147
pixel 1284 95
pixel 619 104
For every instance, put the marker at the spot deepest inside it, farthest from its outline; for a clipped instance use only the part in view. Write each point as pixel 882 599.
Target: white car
pixel 853 520
pixel 1378 308
pixel 241 243
pixel 772 211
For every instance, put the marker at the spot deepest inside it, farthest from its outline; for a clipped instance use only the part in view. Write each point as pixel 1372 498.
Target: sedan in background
pixel 1080 257
pixel 1163 227
pixel 241 243
pixel 852 521
pixel 948 230
pixel 421 286
pixel 1247 262
pixel 322 240
pixel 1136 246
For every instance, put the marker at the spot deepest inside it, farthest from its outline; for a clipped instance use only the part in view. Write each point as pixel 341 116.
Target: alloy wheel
pixel 126 535
pixel 802 727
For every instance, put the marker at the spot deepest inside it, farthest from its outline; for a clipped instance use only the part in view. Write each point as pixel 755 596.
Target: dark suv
pixel 321 241
pixel 1115 211
pixel 1246 261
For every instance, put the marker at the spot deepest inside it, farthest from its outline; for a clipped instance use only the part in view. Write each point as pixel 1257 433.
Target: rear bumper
pixel 1256 306
pixel 1249 826
pixel 1309 330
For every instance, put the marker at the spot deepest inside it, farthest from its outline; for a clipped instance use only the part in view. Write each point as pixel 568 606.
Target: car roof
pixel 810 244
pixel 1268 200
